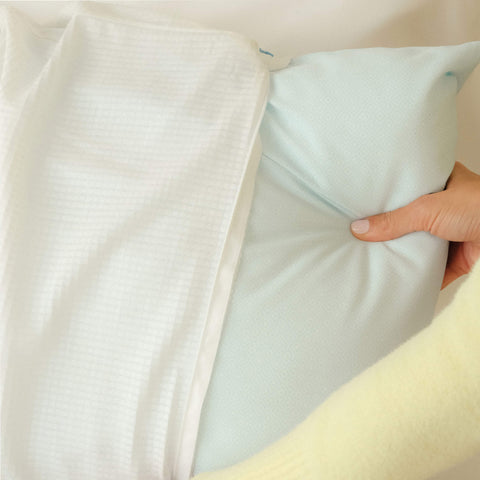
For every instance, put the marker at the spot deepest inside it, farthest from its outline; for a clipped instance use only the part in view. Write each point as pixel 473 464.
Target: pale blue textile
pixel 346 134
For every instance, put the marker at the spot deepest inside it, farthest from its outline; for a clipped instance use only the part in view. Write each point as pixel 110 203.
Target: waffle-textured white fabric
pixel 128 151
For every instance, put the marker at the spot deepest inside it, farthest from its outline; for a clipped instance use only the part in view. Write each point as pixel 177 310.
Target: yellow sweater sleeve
pixel 412 414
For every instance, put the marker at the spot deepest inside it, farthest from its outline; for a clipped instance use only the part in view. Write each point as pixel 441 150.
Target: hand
pixel 452 214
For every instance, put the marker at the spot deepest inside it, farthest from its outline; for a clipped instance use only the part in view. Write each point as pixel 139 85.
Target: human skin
pixel 452 214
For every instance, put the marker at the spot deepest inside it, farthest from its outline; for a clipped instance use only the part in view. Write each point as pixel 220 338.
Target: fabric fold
pixel 127 165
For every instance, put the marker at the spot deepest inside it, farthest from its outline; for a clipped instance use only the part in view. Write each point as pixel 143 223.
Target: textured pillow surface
pixel 345 135
pixel 124 145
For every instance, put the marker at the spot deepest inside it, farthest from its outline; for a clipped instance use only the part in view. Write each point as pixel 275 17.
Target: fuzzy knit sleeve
pixel 411 415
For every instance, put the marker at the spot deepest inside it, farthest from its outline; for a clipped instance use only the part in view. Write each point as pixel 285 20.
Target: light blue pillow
pixel 345 135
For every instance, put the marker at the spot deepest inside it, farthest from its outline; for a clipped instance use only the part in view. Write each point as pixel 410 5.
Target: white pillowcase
pixel 126 151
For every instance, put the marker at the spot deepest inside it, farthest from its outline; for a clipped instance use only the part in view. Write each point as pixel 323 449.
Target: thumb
pixel 389 225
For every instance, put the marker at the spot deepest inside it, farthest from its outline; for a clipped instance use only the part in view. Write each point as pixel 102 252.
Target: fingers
pixel 415 216
pixel 451 271
pixel 449 277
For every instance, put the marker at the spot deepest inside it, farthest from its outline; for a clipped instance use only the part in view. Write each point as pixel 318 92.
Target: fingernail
pixel 360 226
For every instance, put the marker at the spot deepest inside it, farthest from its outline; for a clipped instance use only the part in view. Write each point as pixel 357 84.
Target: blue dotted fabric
pixel 345 134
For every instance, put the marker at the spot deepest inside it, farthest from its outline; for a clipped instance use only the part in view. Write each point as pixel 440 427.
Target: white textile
pixel 128 151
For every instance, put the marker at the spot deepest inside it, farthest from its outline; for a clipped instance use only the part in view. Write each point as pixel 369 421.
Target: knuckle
pixel 422 218
pixel 388 223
